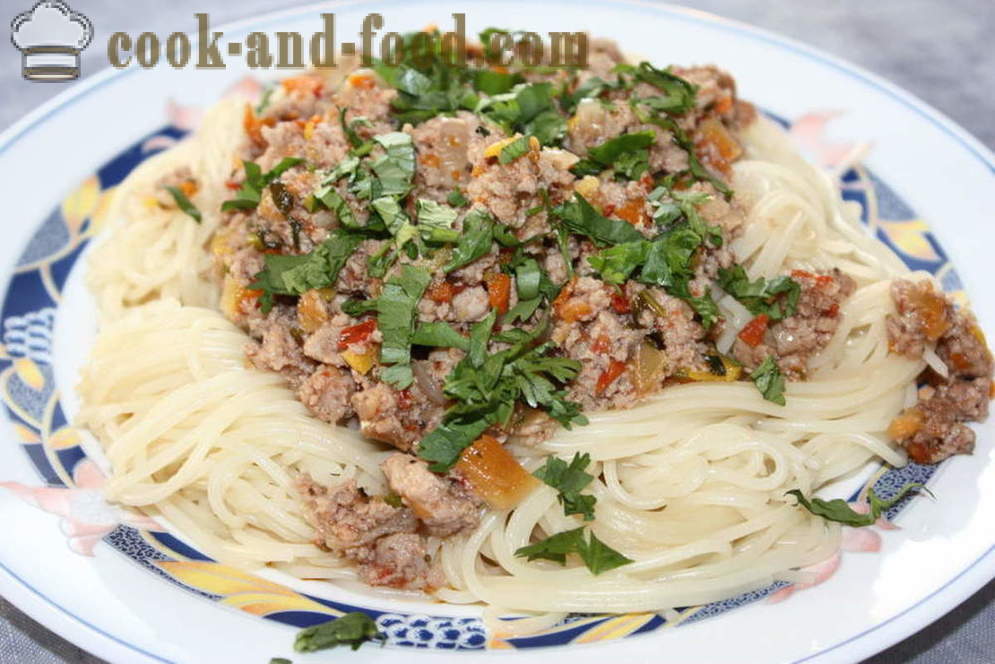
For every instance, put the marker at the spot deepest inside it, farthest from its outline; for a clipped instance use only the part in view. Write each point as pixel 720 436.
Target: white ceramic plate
pixel 129 592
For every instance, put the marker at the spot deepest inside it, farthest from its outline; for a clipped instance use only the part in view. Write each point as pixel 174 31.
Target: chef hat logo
pixel 50 37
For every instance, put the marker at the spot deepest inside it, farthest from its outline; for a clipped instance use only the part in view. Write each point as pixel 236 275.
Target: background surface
pixel 940 50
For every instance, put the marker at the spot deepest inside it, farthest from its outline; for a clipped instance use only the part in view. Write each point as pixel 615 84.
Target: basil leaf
pixel 378 264
pixel 670 257
pixel 581 218
pixel 457 199
pixel 435 221
pixel 705 307
pixel 331 199
pixel 486 387
pixel 527 278
pixel 695 167
pixel 250 193
pixel 184 203
pixel 395 220
pixel 439 335
pixel 396 168
pixel 768 379
pixel 357 308
pixel 591 88
pixel 839 510
pixel 615 264
pixel 607 153
pixel 528 109
pixel 349 129
pixel 679 94
pixel 480 335
pixel 351 629
pixel 555 547
pixel 265 98
pixel 491 82
pixel 521 311
pixel 474 241
pixel 294 275
pixel 397 307
pixel 285 164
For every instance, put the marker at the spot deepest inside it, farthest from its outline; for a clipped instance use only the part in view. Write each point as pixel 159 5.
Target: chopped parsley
pixel 435 221
pixel 628 153
pixel 486 388
pixel 580 217
pixel 666 261
pixel 250 193
pixel 569 480
pixel 695 169
pixel 295 275
pixel 184 203
pixel 474 241
pixel 457 199
pixel 333 200
pixel 396 167
pixel 349 129
pixel 439 335
pixel 597 556
pixel 528 109
pixel 678 93
pixel 777 298
pixel 769 380
pixel 351 629
pixel 397 308
pixel 839 510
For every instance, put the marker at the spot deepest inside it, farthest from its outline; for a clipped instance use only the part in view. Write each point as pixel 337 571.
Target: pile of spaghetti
pixel 548 340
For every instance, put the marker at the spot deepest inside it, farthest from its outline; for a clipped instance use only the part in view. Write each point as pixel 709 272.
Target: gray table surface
pixel 941 50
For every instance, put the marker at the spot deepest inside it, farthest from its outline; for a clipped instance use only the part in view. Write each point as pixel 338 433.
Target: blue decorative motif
pixel 421 631
pixel 28 387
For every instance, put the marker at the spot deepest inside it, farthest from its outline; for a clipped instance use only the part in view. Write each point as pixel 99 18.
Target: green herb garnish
pixel 628 152
pixel 579 217
pixel 486 388
pixel 250 193
pixel 569 480
pixel 840 511
pixel 769 380
pixel 295 275
pixel 397 307
pixel 184 203
pixel 435 221
pixel 597 556
pixel 514 150
pixel 396 167
pixel 474 241
pixel 678 94
pixel 528 109
pixel 440 335
pixel 777 298
pixel 457 199
pixel 351 629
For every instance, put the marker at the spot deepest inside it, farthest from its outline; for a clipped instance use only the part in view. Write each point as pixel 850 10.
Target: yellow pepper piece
pixel 361 362
pixel 733 372
pixel 587 187
pixel 494 149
